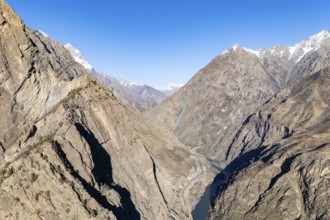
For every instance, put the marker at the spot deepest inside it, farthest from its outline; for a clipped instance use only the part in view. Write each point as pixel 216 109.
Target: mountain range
pixel 141 97
pixel 251 128
pixel 268 159
pixel 206 111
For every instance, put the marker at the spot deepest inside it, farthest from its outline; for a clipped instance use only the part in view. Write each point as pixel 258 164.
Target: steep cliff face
pixel 281 156
pixel 71 150
pixel 35 76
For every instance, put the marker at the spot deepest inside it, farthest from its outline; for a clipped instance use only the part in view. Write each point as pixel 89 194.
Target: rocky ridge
pixel 71 150
pixel 281 157
pixel 140 97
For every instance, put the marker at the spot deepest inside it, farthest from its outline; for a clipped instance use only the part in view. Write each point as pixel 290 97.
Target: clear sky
pixel 161 41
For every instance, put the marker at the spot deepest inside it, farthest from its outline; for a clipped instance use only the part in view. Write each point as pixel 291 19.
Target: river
pixel 202 208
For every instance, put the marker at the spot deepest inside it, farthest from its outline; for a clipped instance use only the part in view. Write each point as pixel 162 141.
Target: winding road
pixel 201 171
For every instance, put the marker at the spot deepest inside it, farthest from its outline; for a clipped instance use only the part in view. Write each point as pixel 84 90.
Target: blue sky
pixel 161 41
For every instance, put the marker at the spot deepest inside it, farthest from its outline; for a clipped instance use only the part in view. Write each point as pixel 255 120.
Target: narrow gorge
pixel 247 137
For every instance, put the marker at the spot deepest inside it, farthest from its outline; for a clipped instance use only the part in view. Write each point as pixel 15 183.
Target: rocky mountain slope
pixel 276 158
pixel 228 89
pixel 141 97
pixel 71 150
pixel 209 109
pixel 281 157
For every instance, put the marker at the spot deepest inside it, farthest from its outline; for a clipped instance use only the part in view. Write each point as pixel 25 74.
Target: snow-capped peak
pixel 312 43
pixel 316 40
pixel 77 56
pixel 170 88
pixel 294 53
pixel 256 52
pixel 236 47
pixel 128 84
pixel 43 33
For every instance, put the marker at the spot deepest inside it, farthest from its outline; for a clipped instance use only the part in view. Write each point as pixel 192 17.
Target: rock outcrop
pixel 281 157
pixel 71 150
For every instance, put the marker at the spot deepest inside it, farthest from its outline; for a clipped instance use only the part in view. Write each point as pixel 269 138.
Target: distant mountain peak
pixel 126 83
pixel 237 48
pixel 317 39
pixel 312 43
pixel 78 57
pixel 43 33
pixel 294 53
pixel 170 88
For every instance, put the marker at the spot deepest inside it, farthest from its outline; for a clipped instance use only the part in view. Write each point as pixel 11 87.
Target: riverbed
pixel 202 208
